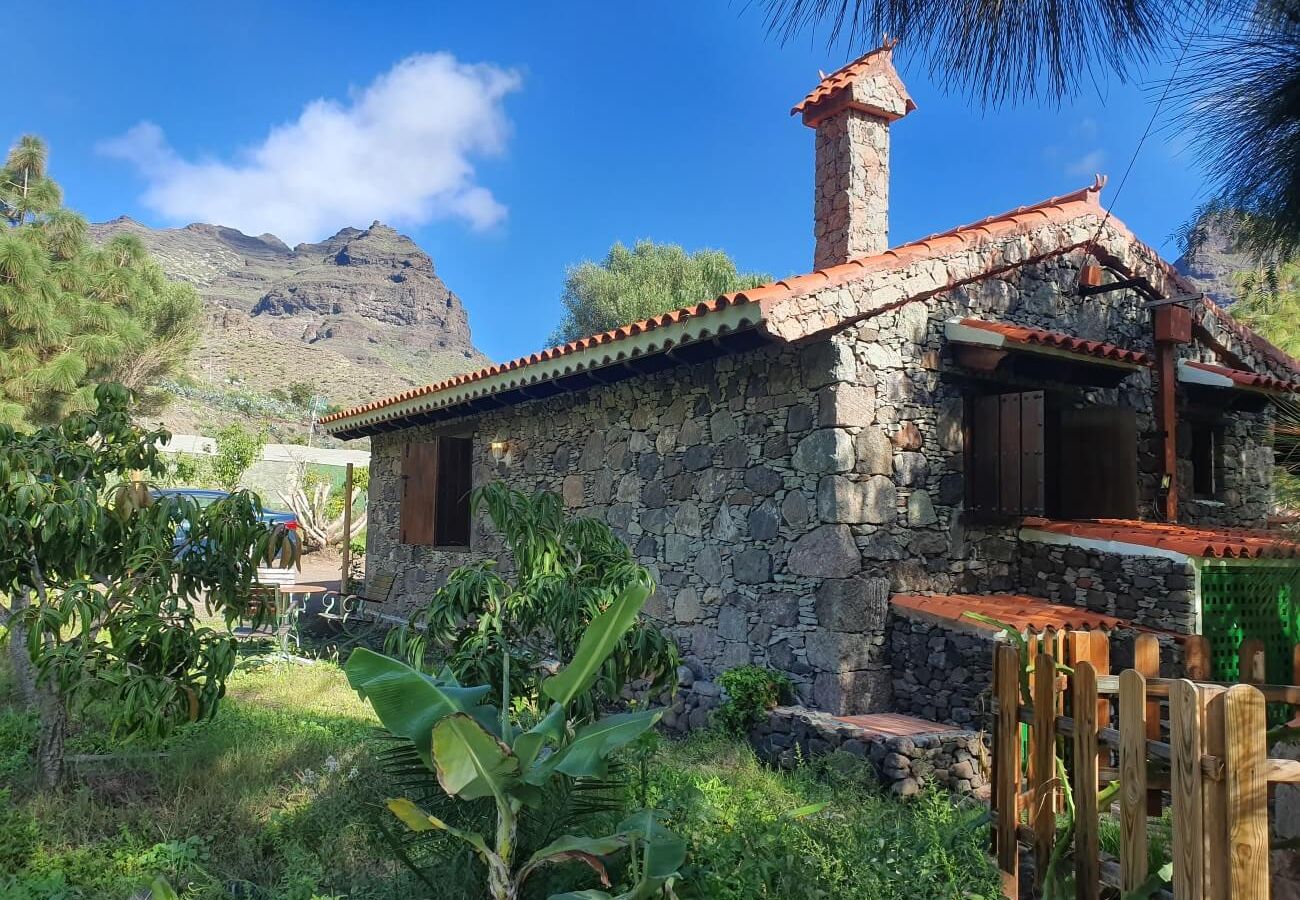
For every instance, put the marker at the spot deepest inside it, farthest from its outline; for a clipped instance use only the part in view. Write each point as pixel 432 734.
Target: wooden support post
pixel 1146 661
pixel 1214 798
pixel 1251 662
pixel 1133 779
pixel 1043 756
pixel 1167 423
pixel 1006 765
pixel 1087 845
pixel 1185 769
pixel 347 530
pixel 1245 757
pixel 1196 658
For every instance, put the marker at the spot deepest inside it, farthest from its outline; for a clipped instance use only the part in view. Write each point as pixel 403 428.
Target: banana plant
pixel 476 752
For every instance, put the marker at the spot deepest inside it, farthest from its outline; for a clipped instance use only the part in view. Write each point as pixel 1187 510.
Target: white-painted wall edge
pixel 293 453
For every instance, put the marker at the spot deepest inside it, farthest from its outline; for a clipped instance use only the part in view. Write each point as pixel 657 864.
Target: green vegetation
pixel 237 449
pixel 821 831
pixel 96 591
pixel 650 278
pixel 567 570
pixel 73 315
pixel 280 796
pixel 751 692
pixel 479 751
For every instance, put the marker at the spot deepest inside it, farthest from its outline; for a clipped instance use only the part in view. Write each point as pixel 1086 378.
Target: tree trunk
pixel 24 670
pixel 53 729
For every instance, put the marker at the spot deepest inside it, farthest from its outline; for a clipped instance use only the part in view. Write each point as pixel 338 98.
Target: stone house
pixel 1032 416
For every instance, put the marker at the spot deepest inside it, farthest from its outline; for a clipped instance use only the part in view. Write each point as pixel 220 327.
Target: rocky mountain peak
pixel 369 299
pixel 1213 264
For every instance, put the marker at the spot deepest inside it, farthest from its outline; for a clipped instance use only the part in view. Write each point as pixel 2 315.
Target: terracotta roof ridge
pixel 1090 194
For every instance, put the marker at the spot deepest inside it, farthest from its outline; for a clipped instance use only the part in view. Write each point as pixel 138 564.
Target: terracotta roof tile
pixel 1248 379
pixel 1062 208
pixel 834 84
pixel 1203 543
pixel 1257 341
pixel 1020 611
pixel 1019 334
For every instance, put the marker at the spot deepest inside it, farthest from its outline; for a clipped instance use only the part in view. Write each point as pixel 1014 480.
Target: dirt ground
pixel 321 567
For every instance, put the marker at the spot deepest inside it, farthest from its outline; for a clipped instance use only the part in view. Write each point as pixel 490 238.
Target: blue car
pixel 205 497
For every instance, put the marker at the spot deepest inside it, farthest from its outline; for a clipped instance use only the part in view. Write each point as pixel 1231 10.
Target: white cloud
pixel 399 150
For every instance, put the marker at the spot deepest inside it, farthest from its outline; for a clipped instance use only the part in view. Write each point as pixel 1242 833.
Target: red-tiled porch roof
pixel 1205 543
pixel 1056 340
pixel 1249 380
pixel 1020 611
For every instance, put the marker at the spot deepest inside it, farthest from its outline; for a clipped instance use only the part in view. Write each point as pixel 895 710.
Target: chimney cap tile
pixel 834 93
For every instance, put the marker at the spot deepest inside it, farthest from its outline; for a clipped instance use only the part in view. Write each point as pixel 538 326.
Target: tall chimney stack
pixel 851 110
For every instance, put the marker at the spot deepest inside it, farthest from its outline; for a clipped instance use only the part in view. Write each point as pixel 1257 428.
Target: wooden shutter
pixel 455 481
pixel 1007 459
pixel 419 487
pixel 1098 463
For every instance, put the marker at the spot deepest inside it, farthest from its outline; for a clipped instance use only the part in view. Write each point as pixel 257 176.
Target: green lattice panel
pixel 1251 601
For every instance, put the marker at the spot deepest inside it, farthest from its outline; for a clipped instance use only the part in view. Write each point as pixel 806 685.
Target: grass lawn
pixel 279 798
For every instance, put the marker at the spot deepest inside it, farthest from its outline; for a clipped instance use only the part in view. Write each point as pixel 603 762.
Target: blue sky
pixel 605 122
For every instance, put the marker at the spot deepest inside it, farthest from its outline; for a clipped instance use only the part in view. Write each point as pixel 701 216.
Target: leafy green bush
pixel 821 832
pixel 751 692
pixel 567 569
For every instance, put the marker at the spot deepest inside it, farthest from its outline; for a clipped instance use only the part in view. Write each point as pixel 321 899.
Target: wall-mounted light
pixel 500 450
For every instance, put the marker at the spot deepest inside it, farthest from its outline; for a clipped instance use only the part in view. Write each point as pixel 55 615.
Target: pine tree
pixel 73 315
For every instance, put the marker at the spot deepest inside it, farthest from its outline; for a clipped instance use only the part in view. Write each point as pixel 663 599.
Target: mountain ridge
pixel 358 315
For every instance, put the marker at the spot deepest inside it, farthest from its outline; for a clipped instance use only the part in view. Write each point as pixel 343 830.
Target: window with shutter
pixel 1008 448
pixel 436 483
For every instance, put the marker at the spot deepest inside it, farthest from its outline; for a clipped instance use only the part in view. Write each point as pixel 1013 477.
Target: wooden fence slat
pixel 1133 779
pixel 1146 660
pixel 1196 657
pixel 1087 859
pixel 1006 758
pixel 1251 658
pixel 1214 799
pixel 1185 767
pixel 1245 757
pixel 1043 756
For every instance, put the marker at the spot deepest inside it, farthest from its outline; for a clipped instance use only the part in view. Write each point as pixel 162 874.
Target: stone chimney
pixel 851 110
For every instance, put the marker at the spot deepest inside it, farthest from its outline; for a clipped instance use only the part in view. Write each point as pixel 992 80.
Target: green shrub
pixel 821 832
pixel 17 742
pixel 751 692
pixel 19 835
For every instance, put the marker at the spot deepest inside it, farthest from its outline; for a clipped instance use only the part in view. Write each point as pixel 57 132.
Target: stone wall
pixel 1245 467
pixel 943 672
pixel 782 494
pixel 1154 591
pixel 957 761
pixel 717 476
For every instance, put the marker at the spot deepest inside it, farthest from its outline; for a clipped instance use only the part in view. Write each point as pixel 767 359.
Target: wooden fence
pixel 1198 746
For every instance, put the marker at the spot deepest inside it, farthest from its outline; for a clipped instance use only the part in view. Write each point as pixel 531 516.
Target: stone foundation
pixel 956 761
pixel 942 673
pixel 1150 590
